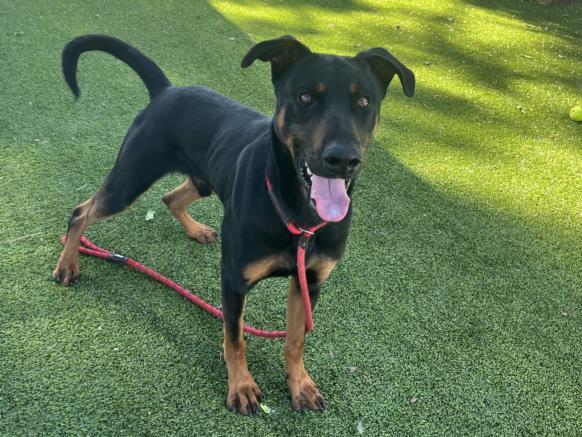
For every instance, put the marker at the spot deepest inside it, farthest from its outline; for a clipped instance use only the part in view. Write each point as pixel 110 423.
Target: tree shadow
pixel 434 38
pixel 562 20
pixel 330 5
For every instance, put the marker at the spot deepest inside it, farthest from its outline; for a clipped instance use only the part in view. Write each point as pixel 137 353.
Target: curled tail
pixel 153 77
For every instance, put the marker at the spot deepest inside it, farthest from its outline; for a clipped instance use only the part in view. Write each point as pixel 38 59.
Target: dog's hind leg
pixel 136 169
pixel 84 215
pixel 178 201
pixel 118 192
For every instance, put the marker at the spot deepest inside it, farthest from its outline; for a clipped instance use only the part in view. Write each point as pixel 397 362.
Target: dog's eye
pixel 306 98
pixel 363 102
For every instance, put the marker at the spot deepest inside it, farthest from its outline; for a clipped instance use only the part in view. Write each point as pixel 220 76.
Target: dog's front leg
pixel 304 393
pixel 244 394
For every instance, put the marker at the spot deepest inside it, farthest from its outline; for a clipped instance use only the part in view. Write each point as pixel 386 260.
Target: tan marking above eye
pixel 320 87
pixel 353 87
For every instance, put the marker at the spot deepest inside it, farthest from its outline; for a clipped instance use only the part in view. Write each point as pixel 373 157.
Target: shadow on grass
pixel 338 6
pixel 562 20
pixel 430 36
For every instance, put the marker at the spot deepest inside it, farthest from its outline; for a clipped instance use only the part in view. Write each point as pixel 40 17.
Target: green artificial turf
pixel 457 308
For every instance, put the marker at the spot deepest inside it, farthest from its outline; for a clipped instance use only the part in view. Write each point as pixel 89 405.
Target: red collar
pixel 304 235
pixel 286 219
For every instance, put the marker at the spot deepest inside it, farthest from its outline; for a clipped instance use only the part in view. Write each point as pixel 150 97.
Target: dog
pixel 311 151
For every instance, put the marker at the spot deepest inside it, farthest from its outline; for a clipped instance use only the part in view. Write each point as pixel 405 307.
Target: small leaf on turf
pixel 265 409
pixel 150 215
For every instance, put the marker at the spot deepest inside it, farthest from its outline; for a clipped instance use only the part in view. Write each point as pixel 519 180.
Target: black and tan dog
pixel 327 110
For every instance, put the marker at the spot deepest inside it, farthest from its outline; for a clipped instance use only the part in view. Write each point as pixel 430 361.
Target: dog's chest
pixel 285 264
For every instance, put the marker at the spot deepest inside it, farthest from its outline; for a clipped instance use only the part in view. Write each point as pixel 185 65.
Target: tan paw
pixel 244 396
pixel 202 233
pixel 66 272
pixel 304 394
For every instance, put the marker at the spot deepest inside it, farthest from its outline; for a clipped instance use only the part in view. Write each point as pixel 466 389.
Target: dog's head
pixel 328 108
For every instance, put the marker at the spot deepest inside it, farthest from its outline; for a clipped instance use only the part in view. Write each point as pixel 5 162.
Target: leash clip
pixel 117 258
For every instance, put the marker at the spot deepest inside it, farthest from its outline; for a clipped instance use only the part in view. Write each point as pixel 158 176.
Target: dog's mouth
pixel 327 196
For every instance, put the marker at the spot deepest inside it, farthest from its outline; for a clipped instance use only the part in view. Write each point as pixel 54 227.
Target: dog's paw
pixel 244 396
pixel 66 273
pixel 203 234
pixel 304 394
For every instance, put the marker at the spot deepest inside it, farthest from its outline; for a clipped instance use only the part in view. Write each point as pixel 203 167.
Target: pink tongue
pixel 331 199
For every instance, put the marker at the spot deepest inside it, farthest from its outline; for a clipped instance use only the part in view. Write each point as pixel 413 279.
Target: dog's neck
pixel 282 172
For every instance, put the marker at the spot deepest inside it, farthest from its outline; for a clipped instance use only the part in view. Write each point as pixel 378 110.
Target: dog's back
pixel 198 131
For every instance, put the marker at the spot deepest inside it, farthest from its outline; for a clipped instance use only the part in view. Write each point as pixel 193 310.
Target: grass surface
pixel 458 307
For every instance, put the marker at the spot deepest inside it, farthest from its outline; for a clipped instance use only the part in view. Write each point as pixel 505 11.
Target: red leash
pixel 304 235
pixel 94 250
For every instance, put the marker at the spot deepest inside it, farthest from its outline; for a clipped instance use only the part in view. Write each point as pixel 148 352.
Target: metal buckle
pixel 305 231
pixel 117 258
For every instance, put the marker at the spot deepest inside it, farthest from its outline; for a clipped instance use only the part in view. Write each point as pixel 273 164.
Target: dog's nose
pixel 341 160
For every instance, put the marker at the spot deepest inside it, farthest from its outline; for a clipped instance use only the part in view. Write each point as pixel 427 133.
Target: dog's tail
pixel 153 77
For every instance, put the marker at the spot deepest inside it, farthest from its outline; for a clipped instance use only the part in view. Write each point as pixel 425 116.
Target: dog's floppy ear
pixel 281 52
pixel 385 66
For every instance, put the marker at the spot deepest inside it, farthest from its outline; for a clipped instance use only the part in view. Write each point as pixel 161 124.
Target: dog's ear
pixel 281 52
pixel 385 66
